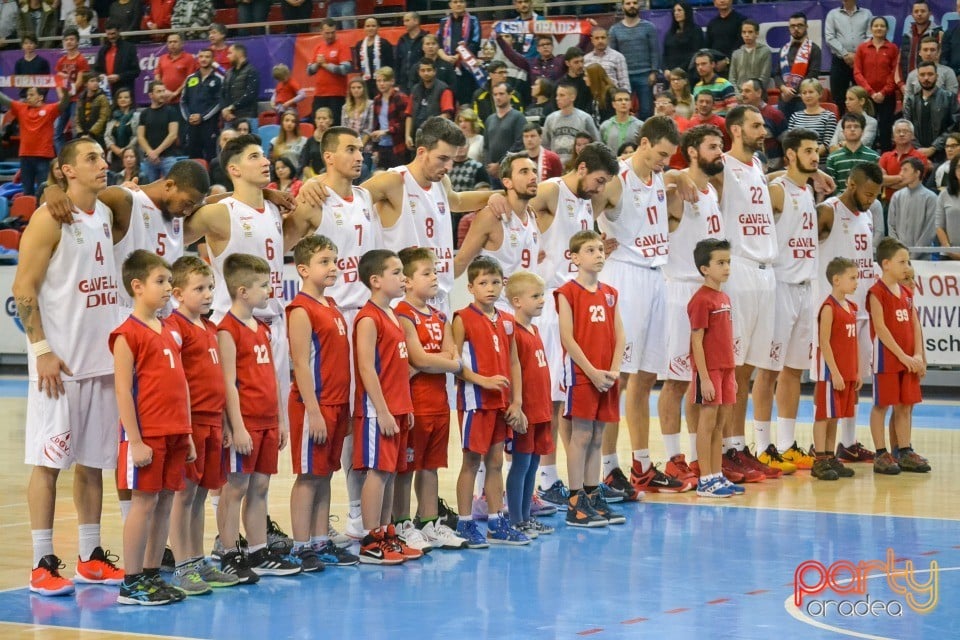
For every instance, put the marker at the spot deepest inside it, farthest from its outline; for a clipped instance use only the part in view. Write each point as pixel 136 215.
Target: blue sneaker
pixel 713 488
pixel 502 533
pixel 736 489
pixel 469 531
pixel 556 495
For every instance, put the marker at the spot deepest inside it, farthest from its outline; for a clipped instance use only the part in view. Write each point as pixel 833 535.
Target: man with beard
pixel 637 40
pixel 933 112
pixel 799 60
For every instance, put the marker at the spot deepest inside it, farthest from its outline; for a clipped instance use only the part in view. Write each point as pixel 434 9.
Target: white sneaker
pixel 413 537
pixel 342 540
pixel 442 537
pixel 354 528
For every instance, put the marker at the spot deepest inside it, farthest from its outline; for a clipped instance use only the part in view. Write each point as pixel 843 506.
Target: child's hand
pixel 284 438
pixel 599 379
pixel 242 442
pixel 494 383
pixel 707 390
pixel 858 384
pixel 410 421
pixel 388 425
pixel 912 363
pixel 514 417
pixel 227 439
pixel 922 362
pixel 192 452
pixel 142 454
pixel 838 382
pixel 318 426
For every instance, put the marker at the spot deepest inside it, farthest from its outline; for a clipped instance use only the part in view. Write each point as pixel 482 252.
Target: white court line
pixel 30 626
pixel 714 505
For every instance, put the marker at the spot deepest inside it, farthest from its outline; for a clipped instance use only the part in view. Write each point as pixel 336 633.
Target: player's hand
pixel 142 454
pixel 284 201
pixel 313 193
pixel 494 383
pixel 49 366
pixel 132 185
pixel 242 442
pixel 318 426
pixel 600 379
pixel 858 384
pixel 410 421
pixel 609 244
pixel 922 371
pixel 707 390
pixel 227 439
pixel 687 188
pixel 388 425
pixel 541 256
pixel 500 206
pixel 838 382
pixel 513 416
pixel 284 438
pixel 911 363
pixel 823 183
pixel 192 451
pixel 59 205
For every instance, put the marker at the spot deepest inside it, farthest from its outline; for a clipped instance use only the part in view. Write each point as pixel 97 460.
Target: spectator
pixel 37 18
pixel 627 149
pixel 613 62
pixel 799 60
pixel 331 65
pixel 159 15
pixel 724 95
pixel 543 65
pixel 813 116
pixel 874 69
pixel 847 26
pixel 311 157
pixel 126 14
pixel 459 37
pixel 523 10
pixel 951 149
pixel 707 114
pixel 852 152
pixel 287 92
pixel 157 134
pixel 242 127
pixel 284 174
pixel 573 59
pixel 665 104
pixel 923 25
pixel 200 108
pixel 219 175
pixel 503 129
pixel 129 170
pixel 193 18
pixel 752 60
pixel 251 11
pixel 858 101
pixel 543 93
pixel 343 9
pixel 483 103
pixel 358 110
pixel 950 43
pixel 9 17
pixel 548 163
pixel 296 10
pixel 371 53
pixel 390 108
pixel 54 176
pixel 637 40
pixel 724 33
pixel 93 109
pixel 409 50
pixel 947 218
pixel 602 92
pixel 430 97
pixel 117 59
pixel 174 66
pixel 217 35
pixel 911 216
pixel 288 142
pixel 580 140
pixel 561 126
pixel 946 78
pixel 471 126
pixel 241 88
pixel 431 51
pixel 680 88
pixel 121 131
pixel 85 26
pixel 755 94
pixel 466 172
pixel 69 67
pixel 36 134
pixel 68 12
pixel 623 126
pixel 682 40
pixel 903 138
pixel 933 111
pixel 30 64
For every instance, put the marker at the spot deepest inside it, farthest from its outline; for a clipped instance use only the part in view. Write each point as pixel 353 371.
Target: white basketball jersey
pixel 747 215
pixel 639 222
pixel 78 296
pixel 572 215
pixel 351 226
pixel 797 234
pixel 424 222
pixel 851 237
pixel 701 220
pixel 259 233
pixel 520 246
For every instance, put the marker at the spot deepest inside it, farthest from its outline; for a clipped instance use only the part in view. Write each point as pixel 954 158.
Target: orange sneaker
pixel 99 569
pixel 46 579
pixel 695 468
pixel 678 468
pixel 408 552
pixel 376 549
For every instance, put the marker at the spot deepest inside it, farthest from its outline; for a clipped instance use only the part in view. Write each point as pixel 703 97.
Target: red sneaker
pixel 733 464
pixel 408 553
pixel 695 468
pixel 99 569
pixel 654 481
pixel 854 453
pixel 678 468
pixel 46 579
pixel 751 460
pixel 375 549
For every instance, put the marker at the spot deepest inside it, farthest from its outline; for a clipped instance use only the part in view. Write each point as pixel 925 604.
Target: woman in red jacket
pixel 874 66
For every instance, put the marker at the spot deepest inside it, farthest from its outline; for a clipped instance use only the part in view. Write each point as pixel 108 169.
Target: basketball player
pixel 66 294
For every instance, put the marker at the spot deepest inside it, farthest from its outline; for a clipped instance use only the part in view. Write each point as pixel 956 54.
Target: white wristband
pixel 40 348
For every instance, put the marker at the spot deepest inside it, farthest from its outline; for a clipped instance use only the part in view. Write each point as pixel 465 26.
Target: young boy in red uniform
pixel 383 406
pixel 591 333
pixel 155 442
pixel 714 385
pixel 319 403
pixel 489 398
pixel 433 355
pixel 525 292
pixel 838 381
pixel 193 289
pixel 256 429
pixel 899 360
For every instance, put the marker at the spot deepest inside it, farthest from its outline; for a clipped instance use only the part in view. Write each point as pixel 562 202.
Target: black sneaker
pixel 266 562
pixel 168 564
pixel 617 480
pixel 331 554
pixel 823 470
pixel 154 576
pixel 277 540
pixel 612 494
pixel 309 561
pixel 842 470
pixel 599 503
pixel 236 563
pixel 580 512
pixel 446 515
pixel 142 591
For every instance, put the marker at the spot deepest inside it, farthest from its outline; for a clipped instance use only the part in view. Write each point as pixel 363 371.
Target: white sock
pixel 125 509
pixel 506 467
pixel 728 444
pixel 481 480
pixel 738 442
pixel 761 434
pixel 671 442
pixel 548 476
pixel 848 431
pixel 297 546
pixel 42 544
pixel 465 518
pixel 215 503
pixel 319 541
pixel 493 521
pixel 786 433
pixel 354 509
pixel 643 457
pixel 253 548
pixel 610 463
pixel 89 539
pixel 693 448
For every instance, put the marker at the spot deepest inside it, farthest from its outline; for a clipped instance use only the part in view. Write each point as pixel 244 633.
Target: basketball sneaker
pixel 354 528
pixel 713 488
pixel 480 510
pixel 309 560
pixel 413 537
pixel 798 457
pixel 334 556
pixel 187 580
pixel 855 453
pixel 735 468
pixel 737 491
pixel 212 575
pixel 46 579
pixel 469 531
pixel 612 495
pixel 749 459
pixel 447 515
pixel 580 513
pixel 154 576
pixel 654 481
pixel 339 539
pixel 399 544
pixel 913 462
pixel 237 564
pixel 218 550
pixel 678 468
pixel 772 458
pixel 99 569
pixel 886 465
pixel 267 562
pixel 142 590
pixel 376 549
pixel 599 504
pixel 440 536
pixel 617 480
pixel 823 470
pixel 842 470
pixel 502 533
pixel 277 540
pixel 695 469
pixel 168 563
pixel 533 528
pixel 539 508
pixel 557 495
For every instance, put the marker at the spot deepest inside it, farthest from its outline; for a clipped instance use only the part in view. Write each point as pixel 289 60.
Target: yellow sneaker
pixel 772 458
pixel 798 457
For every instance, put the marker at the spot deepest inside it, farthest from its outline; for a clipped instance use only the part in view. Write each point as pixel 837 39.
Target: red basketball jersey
pixel 486 352
pixel 898 316
pixel 159 383
pixel 534 375
pixel 709 310
pixel 594 327
pixel 429 389
pixel 256 378
pixel 392 365
pixel 329 349
pixel 843 340
pixel 201 361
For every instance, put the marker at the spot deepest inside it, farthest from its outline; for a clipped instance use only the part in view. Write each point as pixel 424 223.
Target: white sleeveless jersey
pixel 572 215
pixel 797 235
pixel 747 215
pixel 520 246
pixel 700 220
pixel 424 222
pixel 851 237
pixel 351 226
pixel 259 233
pixel 78 296
pixel 640 223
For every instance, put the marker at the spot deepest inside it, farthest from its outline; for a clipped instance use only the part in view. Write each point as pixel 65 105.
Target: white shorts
pixel 751 290
pixel 677 322
pixel 549 325
pixel 280 349
pixel 792 344
pixel 643 311
pixel 79 427
pixel 441 302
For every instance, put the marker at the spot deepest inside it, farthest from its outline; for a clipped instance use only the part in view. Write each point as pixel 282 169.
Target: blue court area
pixel 717 571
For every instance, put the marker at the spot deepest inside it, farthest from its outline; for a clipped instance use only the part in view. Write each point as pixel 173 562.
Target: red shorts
pixel 165 471
pixel 900 387
pixel 724 385
pixel 429 440
pixel 206 470
pixel 261 459
pixel 309 456
pixel 373 450
pixel 480 429
pixel 829 404
pixel 585 402
pixel 538 440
